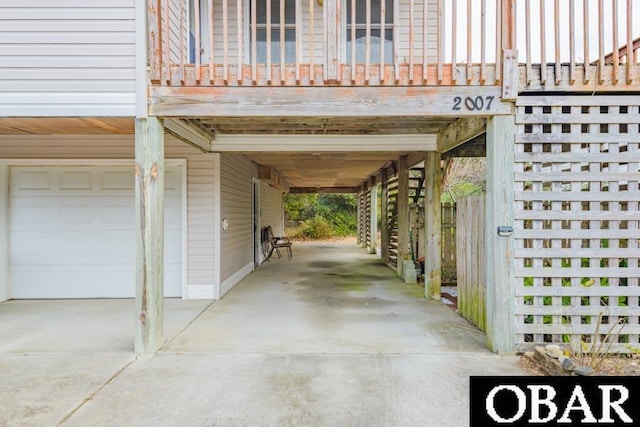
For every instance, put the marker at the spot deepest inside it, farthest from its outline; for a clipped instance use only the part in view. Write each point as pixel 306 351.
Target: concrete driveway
pixel 331 338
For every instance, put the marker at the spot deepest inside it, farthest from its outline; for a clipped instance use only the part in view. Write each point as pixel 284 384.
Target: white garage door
pixel 72 232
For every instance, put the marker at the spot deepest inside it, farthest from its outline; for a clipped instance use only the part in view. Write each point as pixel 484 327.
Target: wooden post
pixel 4 231
pixel 331 31
pixel 433 228
pixel 373 217
pixel 384 220
pixel 403 213
pixel 500 281
pixel 358 219
pixel 149 193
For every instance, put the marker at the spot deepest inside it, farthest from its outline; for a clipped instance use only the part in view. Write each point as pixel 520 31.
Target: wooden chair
pixel 271 243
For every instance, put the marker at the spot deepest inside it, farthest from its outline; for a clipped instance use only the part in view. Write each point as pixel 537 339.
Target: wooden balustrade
pixel 393 42
pixel 316 43
pixel 592 42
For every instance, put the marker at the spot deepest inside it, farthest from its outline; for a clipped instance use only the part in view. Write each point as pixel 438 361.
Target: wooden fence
pixel 448 241
pixel 470 249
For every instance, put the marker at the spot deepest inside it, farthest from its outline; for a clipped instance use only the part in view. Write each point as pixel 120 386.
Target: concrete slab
pixel 42 389
pixel 328 300
pixel 201 389
pixel 330 338
pixel 82 326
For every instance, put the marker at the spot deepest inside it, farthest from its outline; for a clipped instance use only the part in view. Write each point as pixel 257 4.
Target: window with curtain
pixel 376 27
pixel 289 26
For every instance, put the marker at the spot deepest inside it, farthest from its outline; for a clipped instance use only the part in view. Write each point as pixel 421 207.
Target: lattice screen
pixel 367 217
pixel 392 218
pixel 577 168
pixel 362 220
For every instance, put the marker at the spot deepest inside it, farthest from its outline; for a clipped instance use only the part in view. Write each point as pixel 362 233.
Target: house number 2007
pixel 470 103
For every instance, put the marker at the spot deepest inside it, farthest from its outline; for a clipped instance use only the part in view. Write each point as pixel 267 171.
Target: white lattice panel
pixel 577 168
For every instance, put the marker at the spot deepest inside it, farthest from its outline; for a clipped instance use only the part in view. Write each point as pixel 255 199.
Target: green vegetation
pixel 320 216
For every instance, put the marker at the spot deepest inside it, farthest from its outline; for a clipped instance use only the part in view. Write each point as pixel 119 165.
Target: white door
pixel 72 232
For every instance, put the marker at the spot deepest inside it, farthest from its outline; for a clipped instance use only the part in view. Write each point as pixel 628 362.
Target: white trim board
pixel 228 284
pixel 324 143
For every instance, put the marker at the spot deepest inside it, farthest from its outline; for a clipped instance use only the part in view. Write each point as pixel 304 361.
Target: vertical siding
pixel 200 185
pixel 67 58
pixel 271 208
pixel 236 207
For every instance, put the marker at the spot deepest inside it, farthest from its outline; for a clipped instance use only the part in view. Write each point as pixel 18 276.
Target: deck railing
pixel 392 42
pixel 320 42
pixel 588 39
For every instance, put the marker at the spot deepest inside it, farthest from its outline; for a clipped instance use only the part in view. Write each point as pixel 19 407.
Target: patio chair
pixel 271 244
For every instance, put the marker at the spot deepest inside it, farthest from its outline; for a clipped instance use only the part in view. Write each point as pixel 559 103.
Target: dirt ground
pixel 614 365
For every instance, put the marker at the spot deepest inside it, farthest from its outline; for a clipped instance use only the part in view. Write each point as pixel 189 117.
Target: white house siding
pixel 271 208
pixel 236 196
pixel 67 58
pixel 200 189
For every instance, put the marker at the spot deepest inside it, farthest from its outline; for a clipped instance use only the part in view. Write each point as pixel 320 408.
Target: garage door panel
pixel 34 179
pixel 76 180
pixel 32 213
pixel 77 213
pixel 117 180
pixel 73 232
pixel 29 247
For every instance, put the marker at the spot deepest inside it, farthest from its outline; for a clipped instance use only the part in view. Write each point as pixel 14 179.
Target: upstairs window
pixel 376 26
pixel 288 25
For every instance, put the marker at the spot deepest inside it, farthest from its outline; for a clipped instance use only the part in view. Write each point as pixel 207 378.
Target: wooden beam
pixel 403 213
pixel 500 272
pixel 433 229
pixel 439 101
pixel 273 177
pixel 476 147
pixel 459 132
pixel 149 195
pixel 417 157
pixel 190 132
pixel 373 218
pixel 240 143
pixel 384 220
pixel 323 190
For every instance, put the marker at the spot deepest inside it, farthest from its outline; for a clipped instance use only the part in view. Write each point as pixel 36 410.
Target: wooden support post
pixel 149 193
pixel 4 231
pixel 500 281
pixel 384 220
pixel 403 213
pixel 331 31
pixel 373 217
pixel 433 229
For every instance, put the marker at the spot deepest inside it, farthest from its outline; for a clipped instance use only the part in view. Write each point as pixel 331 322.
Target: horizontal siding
pixel 200 185
pixel 236 242
pixel 77 53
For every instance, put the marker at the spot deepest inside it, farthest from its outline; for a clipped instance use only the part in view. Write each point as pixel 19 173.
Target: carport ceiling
pixel 322 170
